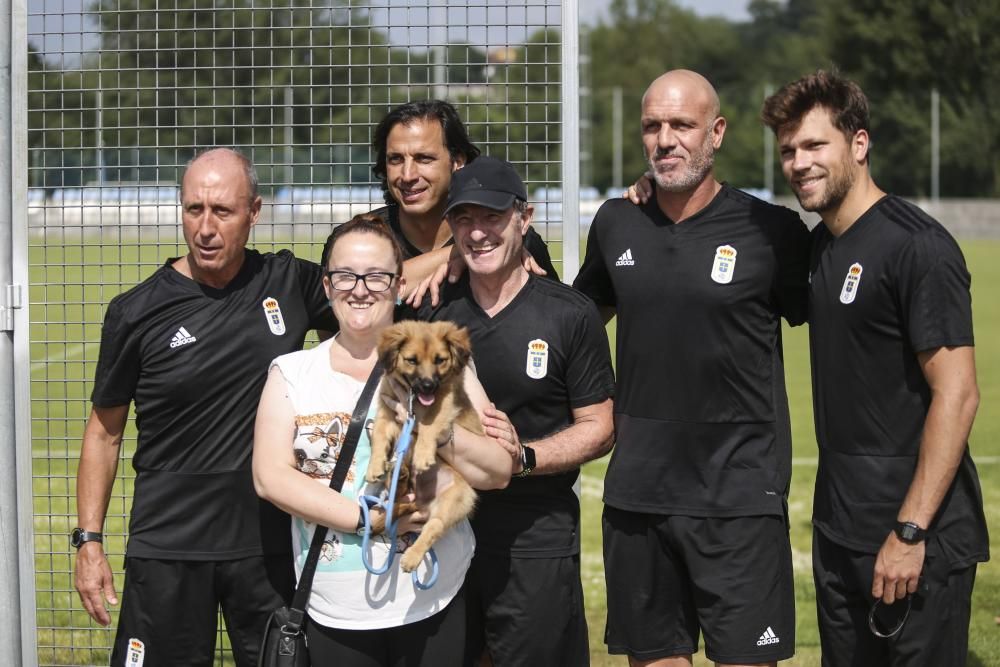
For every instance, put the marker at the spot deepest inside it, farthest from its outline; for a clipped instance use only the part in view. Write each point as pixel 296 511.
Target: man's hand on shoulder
pixel 640 192
pixel 431 285
pixel 94 582
pixel 530 265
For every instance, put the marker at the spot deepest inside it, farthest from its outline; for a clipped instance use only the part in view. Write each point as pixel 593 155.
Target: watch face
pixel 910 533
pixel 75 537
pixel 529 458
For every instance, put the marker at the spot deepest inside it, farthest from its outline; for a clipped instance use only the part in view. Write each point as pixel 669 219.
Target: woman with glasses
pixel 356 617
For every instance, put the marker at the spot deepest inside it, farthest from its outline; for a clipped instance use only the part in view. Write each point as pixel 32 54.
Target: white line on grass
pixel 814 461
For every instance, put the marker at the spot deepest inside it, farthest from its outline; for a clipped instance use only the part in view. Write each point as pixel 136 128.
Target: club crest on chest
pixel 851 284
pixel 538 359
pixel 724 264
pixel 272 311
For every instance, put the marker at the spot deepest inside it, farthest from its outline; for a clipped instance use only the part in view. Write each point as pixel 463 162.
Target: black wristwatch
pixel 909 532
pixel 79 537
pixel 527 461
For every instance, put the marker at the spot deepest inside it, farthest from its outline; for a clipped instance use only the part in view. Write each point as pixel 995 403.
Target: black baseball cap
pixel 486 181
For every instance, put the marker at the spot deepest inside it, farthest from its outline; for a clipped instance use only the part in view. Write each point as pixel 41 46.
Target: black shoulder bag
pixel 284 642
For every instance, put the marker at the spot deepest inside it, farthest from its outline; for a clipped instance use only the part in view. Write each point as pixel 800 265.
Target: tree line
pixel 899 51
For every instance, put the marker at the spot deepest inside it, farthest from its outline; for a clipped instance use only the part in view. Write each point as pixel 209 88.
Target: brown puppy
pixel 429 359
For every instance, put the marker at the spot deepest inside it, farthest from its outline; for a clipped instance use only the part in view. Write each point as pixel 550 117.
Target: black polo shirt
pixel 894 284
pixel 194 359
pixel 701 414
pixel 543 355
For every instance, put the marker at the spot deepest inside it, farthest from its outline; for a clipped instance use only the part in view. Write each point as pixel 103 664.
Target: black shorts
pixel 526 611
pixel 170 609
pixel 432 642
pixel 936 632
pixel 669 576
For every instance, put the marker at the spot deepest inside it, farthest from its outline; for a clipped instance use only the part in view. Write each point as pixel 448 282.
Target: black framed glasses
pixel 345 281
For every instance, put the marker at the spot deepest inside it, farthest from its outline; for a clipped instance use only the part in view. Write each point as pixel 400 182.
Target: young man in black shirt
pixel 898 512
pixel 695 522
pixel 542 355
pixel 190 346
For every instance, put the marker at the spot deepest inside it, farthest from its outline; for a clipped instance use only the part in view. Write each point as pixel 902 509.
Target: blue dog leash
pixel 368 502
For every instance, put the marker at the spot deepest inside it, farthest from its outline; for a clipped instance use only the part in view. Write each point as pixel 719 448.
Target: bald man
pixel 695 520
pixel 191 345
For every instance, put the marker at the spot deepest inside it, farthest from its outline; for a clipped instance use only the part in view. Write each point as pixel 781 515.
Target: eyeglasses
pixel 345 281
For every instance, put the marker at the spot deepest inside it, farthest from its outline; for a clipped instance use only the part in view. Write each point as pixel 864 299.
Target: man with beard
pixel 695 521
pixel 898 512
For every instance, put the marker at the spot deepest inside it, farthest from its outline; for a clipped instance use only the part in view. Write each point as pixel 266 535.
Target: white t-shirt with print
pixel 344 594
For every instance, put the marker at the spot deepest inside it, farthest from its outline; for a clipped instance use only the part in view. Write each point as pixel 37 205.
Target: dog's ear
pixel 458 344
pixel 390 343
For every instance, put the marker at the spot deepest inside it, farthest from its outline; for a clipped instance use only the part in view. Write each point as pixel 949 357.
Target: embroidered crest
pixel 274 319
pixel 136 653
pixel 538 359
pixel 851 284
pixel 724 264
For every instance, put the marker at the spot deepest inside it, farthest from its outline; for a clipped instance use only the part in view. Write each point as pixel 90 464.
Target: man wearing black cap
pixel 542 355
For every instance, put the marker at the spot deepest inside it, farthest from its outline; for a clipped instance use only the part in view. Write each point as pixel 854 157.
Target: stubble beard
pixel 699 165
pixel 838 186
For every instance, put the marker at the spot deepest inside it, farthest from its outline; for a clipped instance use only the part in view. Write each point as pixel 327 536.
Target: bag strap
pixel 297 611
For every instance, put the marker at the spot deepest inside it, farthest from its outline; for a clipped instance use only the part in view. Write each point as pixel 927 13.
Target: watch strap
pixel 79 537
pixel 527 461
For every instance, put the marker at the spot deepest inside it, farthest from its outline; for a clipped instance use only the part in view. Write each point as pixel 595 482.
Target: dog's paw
pixel 422 461
pixel 375 471
pixel 411 560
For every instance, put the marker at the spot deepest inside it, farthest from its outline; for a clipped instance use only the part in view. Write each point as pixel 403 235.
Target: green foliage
pixel 173 75
pixel 898 50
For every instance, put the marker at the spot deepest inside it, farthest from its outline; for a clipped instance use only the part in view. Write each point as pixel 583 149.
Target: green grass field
pixel 71 282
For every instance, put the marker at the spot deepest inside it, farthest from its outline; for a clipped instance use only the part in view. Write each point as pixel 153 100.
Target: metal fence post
pixel 570 110
pixel 17 601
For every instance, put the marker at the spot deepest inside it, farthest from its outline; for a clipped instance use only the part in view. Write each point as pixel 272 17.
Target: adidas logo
pixel 626 259
pixel 768 638
pixel 182 337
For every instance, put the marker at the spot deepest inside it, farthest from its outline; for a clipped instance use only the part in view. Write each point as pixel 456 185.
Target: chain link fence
pixel 121 93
